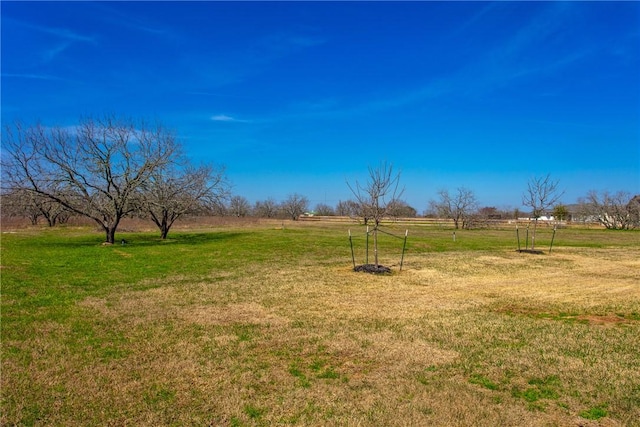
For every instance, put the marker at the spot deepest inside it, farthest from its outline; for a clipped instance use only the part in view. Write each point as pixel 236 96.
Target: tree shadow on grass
pixel 140 239
pixel 192 238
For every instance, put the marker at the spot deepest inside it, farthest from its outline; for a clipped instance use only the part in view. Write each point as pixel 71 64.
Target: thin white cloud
pixel 484 11
pixel 249 59
pixel 274 46
pixel 50 54
pixel 503 65
pixel 306 41
pixel 114 16
pixel 63 33
pixel 225 118
pixel 31 76
pixel 63 38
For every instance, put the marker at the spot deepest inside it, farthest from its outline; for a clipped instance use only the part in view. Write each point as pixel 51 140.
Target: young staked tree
pixel 541 194
pixel 94 169
pixel 377 197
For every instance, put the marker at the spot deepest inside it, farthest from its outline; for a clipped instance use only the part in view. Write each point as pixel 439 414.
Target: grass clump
pixel 300 375
pixel 253 412
pixel 594 413
pixel 483 381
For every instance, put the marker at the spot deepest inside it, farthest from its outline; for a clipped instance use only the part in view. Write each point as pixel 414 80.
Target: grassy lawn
pixel 265 325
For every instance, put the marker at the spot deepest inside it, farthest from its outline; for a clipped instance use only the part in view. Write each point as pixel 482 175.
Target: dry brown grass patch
pixel 455 339
pixel 244 313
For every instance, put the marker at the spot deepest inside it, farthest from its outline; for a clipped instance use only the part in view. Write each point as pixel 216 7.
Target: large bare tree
pixel 266 208
pixel 613 210
pixel 94 169
pixel 295 205
pixel 377 197
pixel 541 194
pixel 458 206
pixel 347 208
pixel 239 206
pixel 401 209
pixel 26 204
pixel 323 209
pixel 179 188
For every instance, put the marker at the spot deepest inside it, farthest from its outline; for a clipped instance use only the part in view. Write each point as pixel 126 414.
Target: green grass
pixel 594 413
pixel 483 381
pixel 263 325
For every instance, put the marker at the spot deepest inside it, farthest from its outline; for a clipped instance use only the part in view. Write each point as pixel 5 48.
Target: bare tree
pixel 376 198
pixel 239 206
pixel 457 207
pixel 52 211
pixel 94 169
pixel 344 208
pixel 352 209
pixel 542 193
pixel 324 210
pixel 483 217
pixel 179 188
pixel 489 212
pixel 217 208
pixel 295 205
pixel 634 211
pixel 266 208
pixel 21 204
pixel 401 209
pixel 614 211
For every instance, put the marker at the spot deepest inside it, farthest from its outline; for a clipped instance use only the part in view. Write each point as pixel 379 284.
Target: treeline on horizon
pixel 109 168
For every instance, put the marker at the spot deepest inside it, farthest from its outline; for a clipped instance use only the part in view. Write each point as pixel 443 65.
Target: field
pixel 265 323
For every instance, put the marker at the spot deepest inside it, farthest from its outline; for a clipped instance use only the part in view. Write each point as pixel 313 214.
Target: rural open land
pixel 259 323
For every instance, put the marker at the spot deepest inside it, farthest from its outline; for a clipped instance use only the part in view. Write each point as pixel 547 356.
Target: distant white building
pixel 541 218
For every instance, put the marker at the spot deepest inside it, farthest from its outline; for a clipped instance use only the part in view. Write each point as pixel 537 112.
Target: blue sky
pixel 300 97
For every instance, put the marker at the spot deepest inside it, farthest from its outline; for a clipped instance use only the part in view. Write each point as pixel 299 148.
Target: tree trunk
pixel 110 230
pixel 375 245
pixel 34 219
pixel 167 222
pixel 111 234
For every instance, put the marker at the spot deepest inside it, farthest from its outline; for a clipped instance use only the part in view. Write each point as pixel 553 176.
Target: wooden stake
pixel 353 258
pixel 553 237
pixel 404 245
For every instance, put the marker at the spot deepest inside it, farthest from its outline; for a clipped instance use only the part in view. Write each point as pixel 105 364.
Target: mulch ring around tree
pixel 530 251
pixel 373 269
